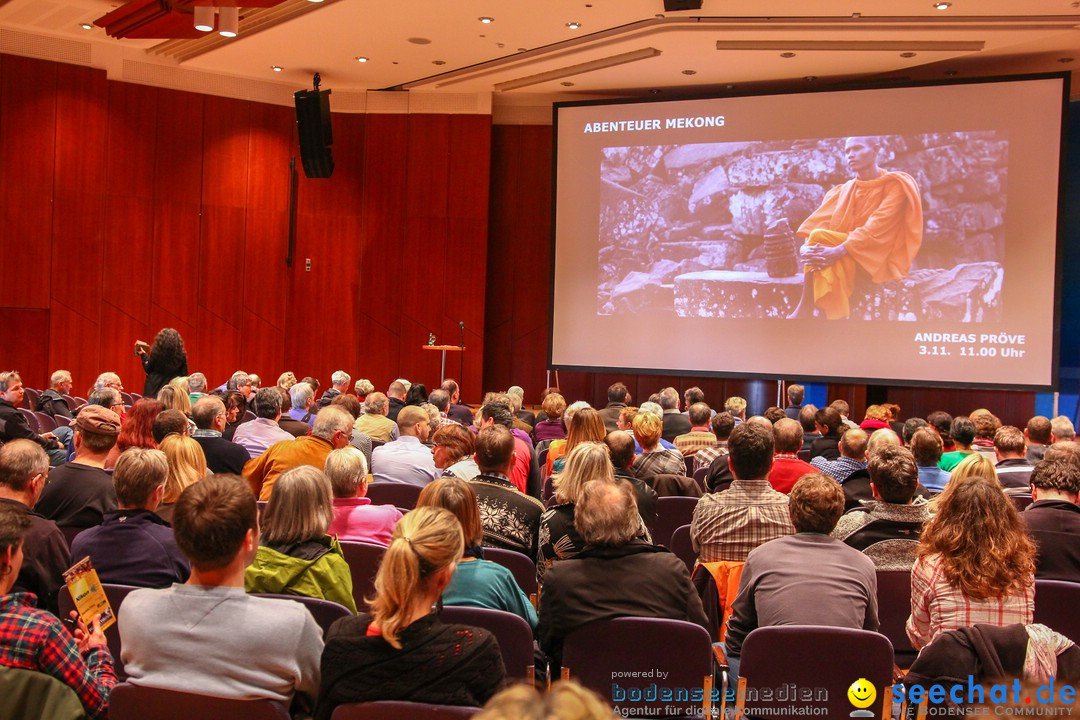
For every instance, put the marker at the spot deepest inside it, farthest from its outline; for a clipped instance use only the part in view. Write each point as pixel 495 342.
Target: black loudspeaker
pixel 677 5
pixel 316 136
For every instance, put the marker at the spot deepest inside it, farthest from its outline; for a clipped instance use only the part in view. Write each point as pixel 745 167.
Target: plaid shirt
pixel 693 441
pixel 728 525
pixel 937 605
pixel 658 462
pixel 839 468
pixel 704 458
pixel 33 639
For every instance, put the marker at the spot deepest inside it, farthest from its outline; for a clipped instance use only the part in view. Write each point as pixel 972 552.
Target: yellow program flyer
pixel 85 588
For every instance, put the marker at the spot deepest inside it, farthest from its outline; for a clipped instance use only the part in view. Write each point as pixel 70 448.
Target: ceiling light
pixel 361 58
pixel 942 5
pixel 689 72
pixel 438 62
pixel 276 68
pixel 204 18
pixel 787 54
pixel 907 54
pixel 573 25
pixel 228 21
pixel 487 20
pixel 567 83
pixel 86 26
pixel 314 0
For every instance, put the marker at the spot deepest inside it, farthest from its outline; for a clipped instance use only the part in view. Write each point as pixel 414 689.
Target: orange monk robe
pixel 880 224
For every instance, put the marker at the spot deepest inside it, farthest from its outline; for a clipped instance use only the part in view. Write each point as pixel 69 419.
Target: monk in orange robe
pixel 873 221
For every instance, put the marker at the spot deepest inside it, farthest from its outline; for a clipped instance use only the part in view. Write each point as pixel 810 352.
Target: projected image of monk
pixel 894 227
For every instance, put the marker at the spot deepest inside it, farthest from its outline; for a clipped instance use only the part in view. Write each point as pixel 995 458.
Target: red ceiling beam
pixel 167 19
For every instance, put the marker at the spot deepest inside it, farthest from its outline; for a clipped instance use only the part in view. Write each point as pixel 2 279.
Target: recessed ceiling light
pixel 361 58
pixel 810 78
pixel 567 83
pixel 689 72
pixel 787 54
pixel 276 68
pixel 438 62
pixel 573 25
pixel 419 41
pixel 942 5
pixel 314 0
pixel 86 26
pixel 907 54
pixel 487 20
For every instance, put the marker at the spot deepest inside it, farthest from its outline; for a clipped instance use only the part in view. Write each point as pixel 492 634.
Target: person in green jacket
pixel 296 556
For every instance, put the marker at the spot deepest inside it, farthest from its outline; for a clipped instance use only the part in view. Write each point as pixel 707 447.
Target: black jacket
pixel 1055 527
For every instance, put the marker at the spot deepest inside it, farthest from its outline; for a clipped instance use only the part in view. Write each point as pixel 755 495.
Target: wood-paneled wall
pixel 518 297
pixel 128 208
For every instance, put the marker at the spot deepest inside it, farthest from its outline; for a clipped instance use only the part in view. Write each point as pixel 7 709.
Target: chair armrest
pixel 719 658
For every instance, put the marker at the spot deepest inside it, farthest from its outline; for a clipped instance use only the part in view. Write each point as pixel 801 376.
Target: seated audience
pixel 1053 519
pixel 458 410
pixel 584 424
pixel 24 467
pixel 339 385
pixel 701 435
pixel 787 468
pixel 407 459
pixel 887 530
pixel 565 700
pixel 856 486
pixel 453 451
pixel 910 427
pixel 175 396
pixel 975 563
pixel 32 639
pixel 52 402
pixel 355 518
pixel 1062 429
pixel 133 546
pixel 621 452
pixel 675 423
pixel 333 429
pixel 828 422
pixel 654 460
pixel 795 395
pixel 842 407
pixel 197 386
pixel 774 414
pixel 359 440
pixel 941 422
pixel 137 429
pixel 255 436
pixel 737 407
pixel 617 574
pixel 511 518
pixel 557 448
pixel 397 395
pixel 808 578
pixel 727 525
pixel 551 428
pixel 926 448
pixel 807 419
pixel 722 424
pixel 497 411
pixel 401 650
pixel 13 426
pixel 362 388
pixel 962 432
pixel 559 539
pixel 208 636
pixel 296 556
pixel 222 456
pixel 236 405
pixel 1013 468
pixel 80 492
pixel 187 466
pixel 476 582
pixel 986 426
pixel 852 458
pixel 374 422
pixel 286 380
pixel 302 408
pixel 876 418
pixel 1039 435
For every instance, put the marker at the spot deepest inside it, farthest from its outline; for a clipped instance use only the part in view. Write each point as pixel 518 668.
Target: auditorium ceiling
pixel 550 49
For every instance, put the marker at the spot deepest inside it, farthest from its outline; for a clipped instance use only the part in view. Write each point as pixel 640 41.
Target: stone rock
pixel 753 211
pixel 766 169
pixel 641 292
pixel 727 294
pixel 967 218
pixel 714 183
pixel 701 153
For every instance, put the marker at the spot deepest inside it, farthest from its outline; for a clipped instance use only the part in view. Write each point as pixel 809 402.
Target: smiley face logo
pixel 862 694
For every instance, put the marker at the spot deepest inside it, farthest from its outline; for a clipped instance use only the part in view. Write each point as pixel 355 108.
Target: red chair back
pixel 1055 606
pixel 132 702
pixel 523 568
pixel 31 418
pixel 363 559
pixel 46 423
pixel 398 709
pixel 513 633
pixel 894 607
pixel 682 547
pixel 398 494
pixel 325 612
pixel 672 512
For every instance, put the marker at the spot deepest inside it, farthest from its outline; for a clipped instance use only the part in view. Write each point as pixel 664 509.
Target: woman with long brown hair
pixel 975 562
pixel 586 425
pixel 401 650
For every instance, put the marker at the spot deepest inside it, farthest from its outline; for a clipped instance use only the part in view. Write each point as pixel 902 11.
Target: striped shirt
pixel 727 525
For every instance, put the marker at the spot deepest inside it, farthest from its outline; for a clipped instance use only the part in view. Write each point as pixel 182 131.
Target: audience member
pixel 453 451
pixel 617 574
pixel 458 410
pixel 31 639
pixel 926 447
pixel 986 426
pixel 296 556
pixel 407 459
pixel 355 518
pixel 842 407
pixel 511 518
pixel 910 427
pixel 137 429
pixel 236 405
pixel 80 492
pixel 256 436
pixel 888 529
pixel 302 397
pixel 222 456
pixel 675 423
pixel 167 422
pixel 807 415
pixel 852 456
pixel 1039 434
pixel 976 563
pixel 162 361
pixel 737 407
pixel 363 387
pixel 774 414
pixel 589 427
pixel 654 460
pixel 339 385
pixel 401 650
pixel 187 466
pixel 1061 427
pixel 621 452
pixel 787 468
pixel 727 525
pixel 133 546
pixel 857 486
pixel 719 476
pixel 617 398
pixel 51 401
pixel 374 423
pixel 359 440
pixel 1053 519
pixel 795 395
pixel 1013 468
pixel 701 435
pixel 558 539
pixel 209 636
pixel 496 412
pixel 828 422
pixel 396 394
pixel 517 394
pixel 941 422
pixel 476 582
pixel 722 424
pixel 13 426
pixel 808 578
pixel 333 428
pixel 962 432
pixel 877 418
pixel 174 396
pixel 24 467
pixel 551 428
pixel 197 386
pixel 565 700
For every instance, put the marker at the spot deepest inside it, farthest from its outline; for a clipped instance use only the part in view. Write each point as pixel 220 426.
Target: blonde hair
pixel 180 382
pixel 565 699
pixel 347 470
pixel 286 380
pixel 647 430
pixel 588 461
pixel 173 397
pixel 301 507
pixel 187 465
pixel 425 541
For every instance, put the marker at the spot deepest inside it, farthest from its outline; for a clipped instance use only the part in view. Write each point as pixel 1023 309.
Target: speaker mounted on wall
pixel 316 135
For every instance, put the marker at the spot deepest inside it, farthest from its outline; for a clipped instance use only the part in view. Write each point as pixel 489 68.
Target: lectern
pixel 445 349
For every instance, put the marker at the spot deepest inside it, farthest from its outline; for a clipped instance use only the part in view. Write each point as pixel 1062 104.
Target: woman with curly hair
pixel 975 562
pixel 162 361
pixel 137 429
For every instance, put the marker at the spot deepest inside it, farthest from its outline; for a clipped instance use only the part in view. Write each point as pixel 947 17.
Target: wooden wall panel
pixel 119 331
pixel 78 228
pixel 26 345
pixel 75 344
pixel 179 147
pixel 81 129
pixel 130 149
pixel 225 151
pixel 221 253
pixel 176 265
pixel 127 239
